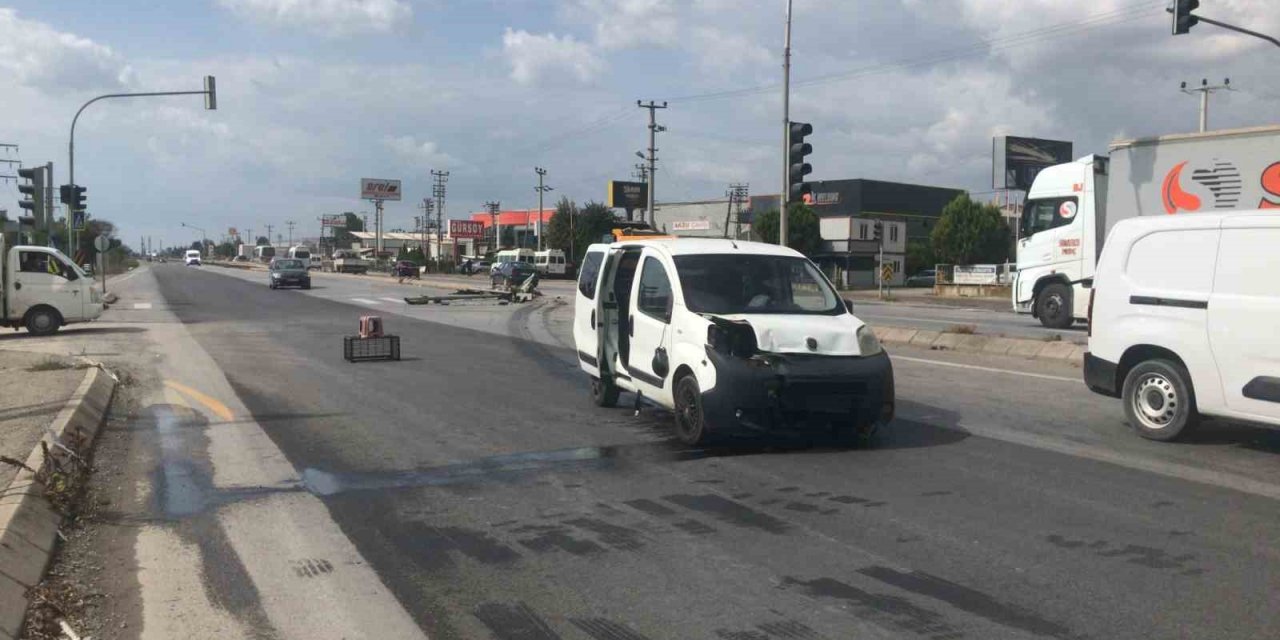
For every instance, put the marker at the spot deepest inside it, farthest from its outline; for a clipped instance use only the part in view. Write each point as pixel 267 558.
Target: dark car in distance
pixel 405 269
pixel 511 274
pixel 923 278
pixel 288 272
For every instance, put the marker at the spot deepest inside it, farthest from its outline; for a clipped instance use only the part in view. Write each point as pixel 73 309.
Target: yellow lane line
pixel 215 407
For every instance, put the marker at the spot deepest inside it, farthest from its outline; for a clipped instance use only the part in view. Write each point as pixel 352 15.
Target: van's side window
pixel 655 291
pixel 1047 213
pixel 589 274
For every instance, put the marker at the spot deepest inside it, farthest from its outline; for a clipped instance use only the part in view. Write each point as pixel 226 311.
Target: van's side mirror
pixel 848 305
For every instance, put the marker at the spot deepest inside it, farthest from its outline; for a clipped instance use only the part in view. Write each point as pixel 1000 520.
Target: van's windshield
pixel 735 283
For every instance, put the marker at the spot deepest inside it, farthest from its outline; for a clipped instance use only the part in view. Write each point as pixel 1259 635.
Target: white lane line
pixel 142 305
pixel 975 367
pixel 364 301
pixel 395 300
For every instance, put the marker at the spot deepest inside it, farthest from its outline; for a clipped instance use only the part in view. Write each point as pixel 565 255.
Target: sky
pixel 315 94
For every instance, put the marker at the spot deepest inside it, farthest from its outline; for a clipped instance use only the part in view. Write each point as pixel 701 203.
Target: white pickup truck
pixel 41 289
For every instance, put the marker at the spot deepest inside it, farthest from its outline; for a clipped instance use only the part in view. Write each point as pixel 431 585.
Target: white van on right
pixel 1184 320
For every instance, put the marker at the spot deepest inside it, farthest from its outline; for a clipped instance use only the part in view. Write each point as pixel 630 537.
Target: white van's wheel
pixel 1053 306
pixel 42 321
pixel 691 422
pixel 1158 400
pixel 604 393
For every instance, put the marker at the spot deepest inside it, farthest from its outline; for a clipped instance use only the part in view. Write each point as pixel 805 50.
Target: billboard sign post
pixel 379 190
pixel 1015 161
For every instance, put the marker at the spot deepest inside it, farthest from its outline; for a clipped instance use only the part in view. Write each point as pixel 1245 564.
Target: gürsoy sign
pixel 379 189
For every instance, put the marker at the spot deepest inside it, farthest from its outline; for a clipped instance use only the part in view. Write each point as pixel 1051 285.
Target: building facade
pixel 702 219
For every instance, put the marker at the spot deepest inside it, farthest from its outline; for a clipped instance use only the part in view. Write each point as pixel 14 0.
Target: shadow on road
pixel 1230 432
pixel 71 331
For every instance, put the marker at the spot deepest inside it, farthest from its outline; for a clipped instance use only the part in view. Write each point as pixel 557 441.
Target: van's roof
pixel 687 246
pixel 1201 220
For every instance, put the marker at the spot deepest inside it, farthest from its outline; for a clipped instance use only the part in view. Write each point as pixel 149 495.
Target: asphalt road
pixel 472 491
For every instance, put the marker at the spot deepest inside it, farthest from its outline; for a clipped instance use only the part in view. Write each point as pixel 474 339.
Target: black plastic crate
pixel 357 349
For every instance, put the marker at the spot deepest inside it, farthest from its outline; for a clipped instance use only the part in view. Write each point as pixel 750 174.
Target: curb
pixel 28 523
pixel 990 345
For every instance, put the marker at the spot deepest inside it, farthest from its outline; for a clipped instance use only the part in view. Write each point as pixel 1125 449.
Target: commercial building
pixel 703 219
pixel 847 210
pixel 523 225
pixel 394 241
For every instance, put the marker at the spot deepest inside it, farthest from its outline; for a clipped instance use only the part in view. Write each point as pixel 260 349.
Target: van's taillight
pixel 1089 315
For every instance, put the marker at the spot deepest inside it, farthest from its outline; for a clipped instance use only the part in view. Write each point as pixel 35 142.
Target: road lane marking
pixel 975 367
pixel 395 300
pixel 214 406
pixel 142 305
pixel 364 301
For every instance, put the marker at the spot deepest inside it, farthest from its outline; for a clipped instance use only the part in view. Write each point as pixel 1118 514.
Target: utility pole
pixel 541 189
pixel 737 195
pixel 290 223
pixel 1204 90
pixel 654 130
pixel 427 207
pixel 438 191
pixel 493 207
pixel 786 132
pixel 269 228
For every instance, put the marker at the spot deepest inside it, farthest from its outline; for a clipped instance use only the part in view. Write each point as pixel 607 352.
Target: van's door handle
pixel 593 319
pixel 631 326
pixel 17 285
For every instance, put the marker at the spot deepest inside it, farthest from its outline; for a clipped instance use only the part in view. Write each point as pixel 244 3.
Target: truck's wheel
pixel 604 392
pixel 42 321
pixel 1054 307
pixel 691 422
pixel 1158 400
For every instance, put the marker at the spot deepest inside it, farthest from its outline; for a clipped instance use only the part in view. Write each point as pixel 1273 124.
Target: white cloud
pixel 532 57
pixel 328 17
pixel 33 54
pixel 423 154
pixel 623 24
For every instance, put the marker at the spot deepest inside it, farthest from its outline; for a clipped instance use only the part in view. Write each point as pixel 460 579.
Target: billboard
pixel 333 220
pixel 1015 161
pixel 466 229
pixel 379 189
pixel 627 195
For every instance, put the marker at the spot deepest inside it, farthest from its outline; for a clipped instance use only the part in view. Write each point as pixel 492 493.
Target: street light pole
pixel 541 189
pixel 786 132
pixel 210 94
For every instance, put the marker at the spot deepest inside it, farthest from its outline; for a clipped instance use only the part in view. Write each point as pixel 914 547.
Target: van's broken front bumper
pixel 770 392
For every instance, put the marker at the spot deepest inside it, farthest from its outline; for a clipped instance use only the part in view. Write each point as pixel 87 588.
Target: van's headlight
pixel 868 343
pixel 275 275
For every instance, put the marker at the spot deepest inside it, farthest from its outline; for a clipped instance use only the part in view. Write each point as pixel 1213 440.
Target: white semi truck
pixel 42 289
pixel 1071 207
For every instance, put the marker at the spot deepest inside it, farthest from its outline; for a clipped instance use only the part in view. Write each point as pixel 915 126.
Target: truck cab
pixel 1058 241
pixel 43 290
pixel 731 336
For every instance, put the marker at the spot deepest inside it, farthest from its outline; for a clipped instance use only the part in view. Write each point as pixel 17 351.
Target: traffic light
pixel 877 230
pixel 1182 18
pixel 799 168
pixel 72 195
pixel 33 192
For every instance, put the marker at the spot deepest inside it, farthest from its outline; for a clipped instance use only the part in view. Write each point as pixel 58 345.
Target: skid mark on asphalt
pixel 895 612
pixel 602 629
pixel 514 622
pixel 1141 555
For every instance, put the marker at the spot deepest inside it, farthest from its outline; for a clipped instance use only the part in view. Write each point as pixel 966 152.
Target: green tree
pixel 803 233
pixel 590 223
pixel 262 241
pixel 225 250
pixel 970 232
pixel 920 256
pixel 508 238
pixel 342 237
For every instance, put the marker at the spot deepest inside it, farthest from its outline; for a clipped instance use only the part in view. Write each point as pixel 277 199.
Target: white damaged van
pixel 729 335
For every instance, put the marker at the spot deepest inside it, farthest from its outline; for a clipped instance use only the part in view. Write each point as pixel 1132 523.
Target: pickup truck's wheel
pixel 604 392
pixel 42 321
pixel 1158 400
pixel 691 421
pixel 1053 306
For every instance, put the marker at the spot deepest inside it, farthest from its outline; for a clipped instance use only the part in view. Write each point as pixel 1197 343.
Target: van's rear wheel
pixel 1158 400
pixel 42 321
pixel 691 421
pixel 604 392
pixel 1053 306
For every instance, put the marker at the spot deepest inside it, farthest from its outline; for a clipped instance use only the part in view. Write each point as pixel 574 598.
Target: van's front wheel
pixel 1053 306
pixel 42 321
pixel 1158 400
pixel 691 421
